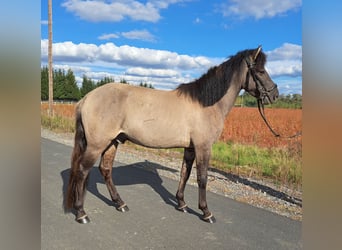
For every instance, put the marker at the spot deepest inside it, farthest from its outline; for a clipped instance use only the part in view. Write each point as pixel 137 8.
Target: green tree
pixel 66 86
pixel 297 100
pixel 123 80
pixel 146 85
pixel 293 101
pixel 87 85
pixel 44 83
pixel 248 100
pixel 105 80
pixel 59 81
pixel 72 92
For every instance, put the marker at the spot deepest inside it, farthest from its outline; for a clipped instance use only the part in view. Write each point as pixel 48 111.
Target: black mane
pixel 213 85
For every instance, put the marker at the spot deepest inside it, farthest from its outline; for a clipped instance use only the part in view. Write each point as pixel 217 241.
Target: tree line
pixel 65 88
pixel 65 85
pixel 290 101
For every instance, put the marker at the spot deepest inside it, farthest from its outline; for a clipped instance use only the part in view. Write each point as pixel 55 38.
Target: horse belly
pixel 159 127
pixel 150 133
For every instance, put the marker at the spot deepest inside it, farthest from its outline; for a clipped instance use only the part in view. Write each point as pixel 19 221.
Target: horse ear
pixel 257 53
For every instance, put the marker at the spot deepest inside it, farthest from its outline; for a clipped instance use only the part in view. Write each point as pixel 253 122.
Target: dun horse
pixel 190 117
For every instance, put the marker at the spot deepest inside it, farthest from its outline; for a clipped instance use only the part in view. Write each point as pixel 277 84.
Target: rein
pixel 264 93
pixel 262 113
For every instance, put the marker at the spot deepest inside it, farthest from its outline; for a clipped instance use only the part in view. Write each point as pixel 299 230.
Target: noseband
pixel 263 93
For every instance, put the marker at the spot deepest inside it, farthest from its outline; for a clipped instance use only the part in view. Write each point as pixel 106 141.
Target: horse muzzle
pixel 270 96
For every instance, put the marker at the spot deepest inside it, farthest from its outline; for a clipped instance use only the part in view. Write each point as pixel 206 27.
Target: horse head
pixel 258 82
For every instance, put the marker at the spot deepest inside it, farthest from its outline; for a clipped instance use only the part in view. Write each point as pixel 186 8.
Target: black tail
pixel 80 147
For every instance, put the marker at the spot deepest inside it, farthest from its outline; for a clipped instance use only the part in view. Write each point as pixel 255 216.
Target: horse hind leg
pixel 106 166
pixel 77 186
pixel 188 160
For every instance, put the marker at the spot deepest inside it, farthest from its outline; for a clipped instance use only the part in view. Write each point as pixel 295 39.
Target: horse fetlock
pixel 82 217
pixel 122 208
pixel 183 208
pixel 209 218
pixel 203 206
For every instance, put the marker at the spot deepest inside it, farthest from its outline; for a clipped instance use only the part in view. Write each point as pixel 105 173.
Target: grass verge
pixel 58 123
pixel 279 164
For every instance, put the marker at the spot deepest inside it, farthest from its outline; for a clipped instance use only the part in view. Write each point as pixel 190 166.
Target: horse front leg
pixel 202 163
pixel 106 166
pixel 188 160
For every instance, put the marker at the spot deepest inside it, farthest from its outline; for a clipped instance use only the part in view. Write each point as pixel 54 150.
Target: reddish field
pixel 60 109
pixel 243 125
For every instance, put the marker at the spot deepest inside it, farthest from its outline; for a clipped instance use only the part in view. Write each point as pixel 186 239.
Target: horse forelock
pixel 213 85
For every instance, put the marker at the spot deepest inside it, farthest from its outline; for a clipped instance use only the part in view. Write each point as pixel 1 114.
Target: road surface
pixel 152 222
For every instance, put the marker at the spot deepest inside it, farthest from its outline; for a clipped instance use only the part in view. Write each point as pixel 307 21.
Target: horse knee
pixel 202 181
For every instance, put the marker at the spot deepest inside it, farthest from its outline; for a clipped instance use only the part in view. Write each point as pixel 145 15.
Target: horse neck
pixel 225 104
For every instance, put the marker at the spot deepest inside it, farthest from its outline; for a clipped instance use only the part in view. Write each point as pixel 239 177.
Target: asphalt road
pixel 152 222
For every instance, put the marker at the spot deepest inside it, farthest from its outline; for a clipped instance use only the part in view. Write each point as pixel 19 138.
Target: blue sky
pixel 168 42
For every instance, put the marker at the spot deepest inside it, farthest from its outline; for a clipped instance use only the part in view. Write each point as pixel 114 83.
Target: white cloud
pixel 259 8
pixel 96 76
pixel 115 11
pixel 143 35
pixel 286 51
pixel 155 73
pixel 162 68
pixel 285 61
pixel 44 22
pixel 136 63
pixel 97 11
pixel 108 36
pixel 291 68
pixel 68 51
pixel 133 56
pixel 75 69
pixel 289 86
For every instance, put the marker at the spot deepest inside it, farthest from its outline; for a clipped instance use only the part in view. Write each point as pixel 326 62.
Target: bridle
pixel 263 93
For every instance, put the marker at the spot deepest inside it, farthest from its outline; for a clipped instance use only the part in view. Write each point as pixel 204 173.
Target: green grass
pixel 58 123
pixel 278 164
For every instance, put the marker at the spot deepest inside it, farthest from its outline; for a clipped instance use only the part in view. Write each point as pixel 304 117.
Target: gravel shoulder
pixel 259 193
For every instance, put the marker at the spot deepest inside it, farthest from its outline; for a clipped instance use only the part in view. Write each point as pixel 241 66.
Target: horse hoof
pixel 183 209
pixel 123 208
pixel 210 219
pixel 83 220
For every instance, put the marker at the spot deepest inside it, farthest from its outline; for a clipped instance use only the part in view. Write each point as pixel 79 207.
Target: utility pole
pixel 50 59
